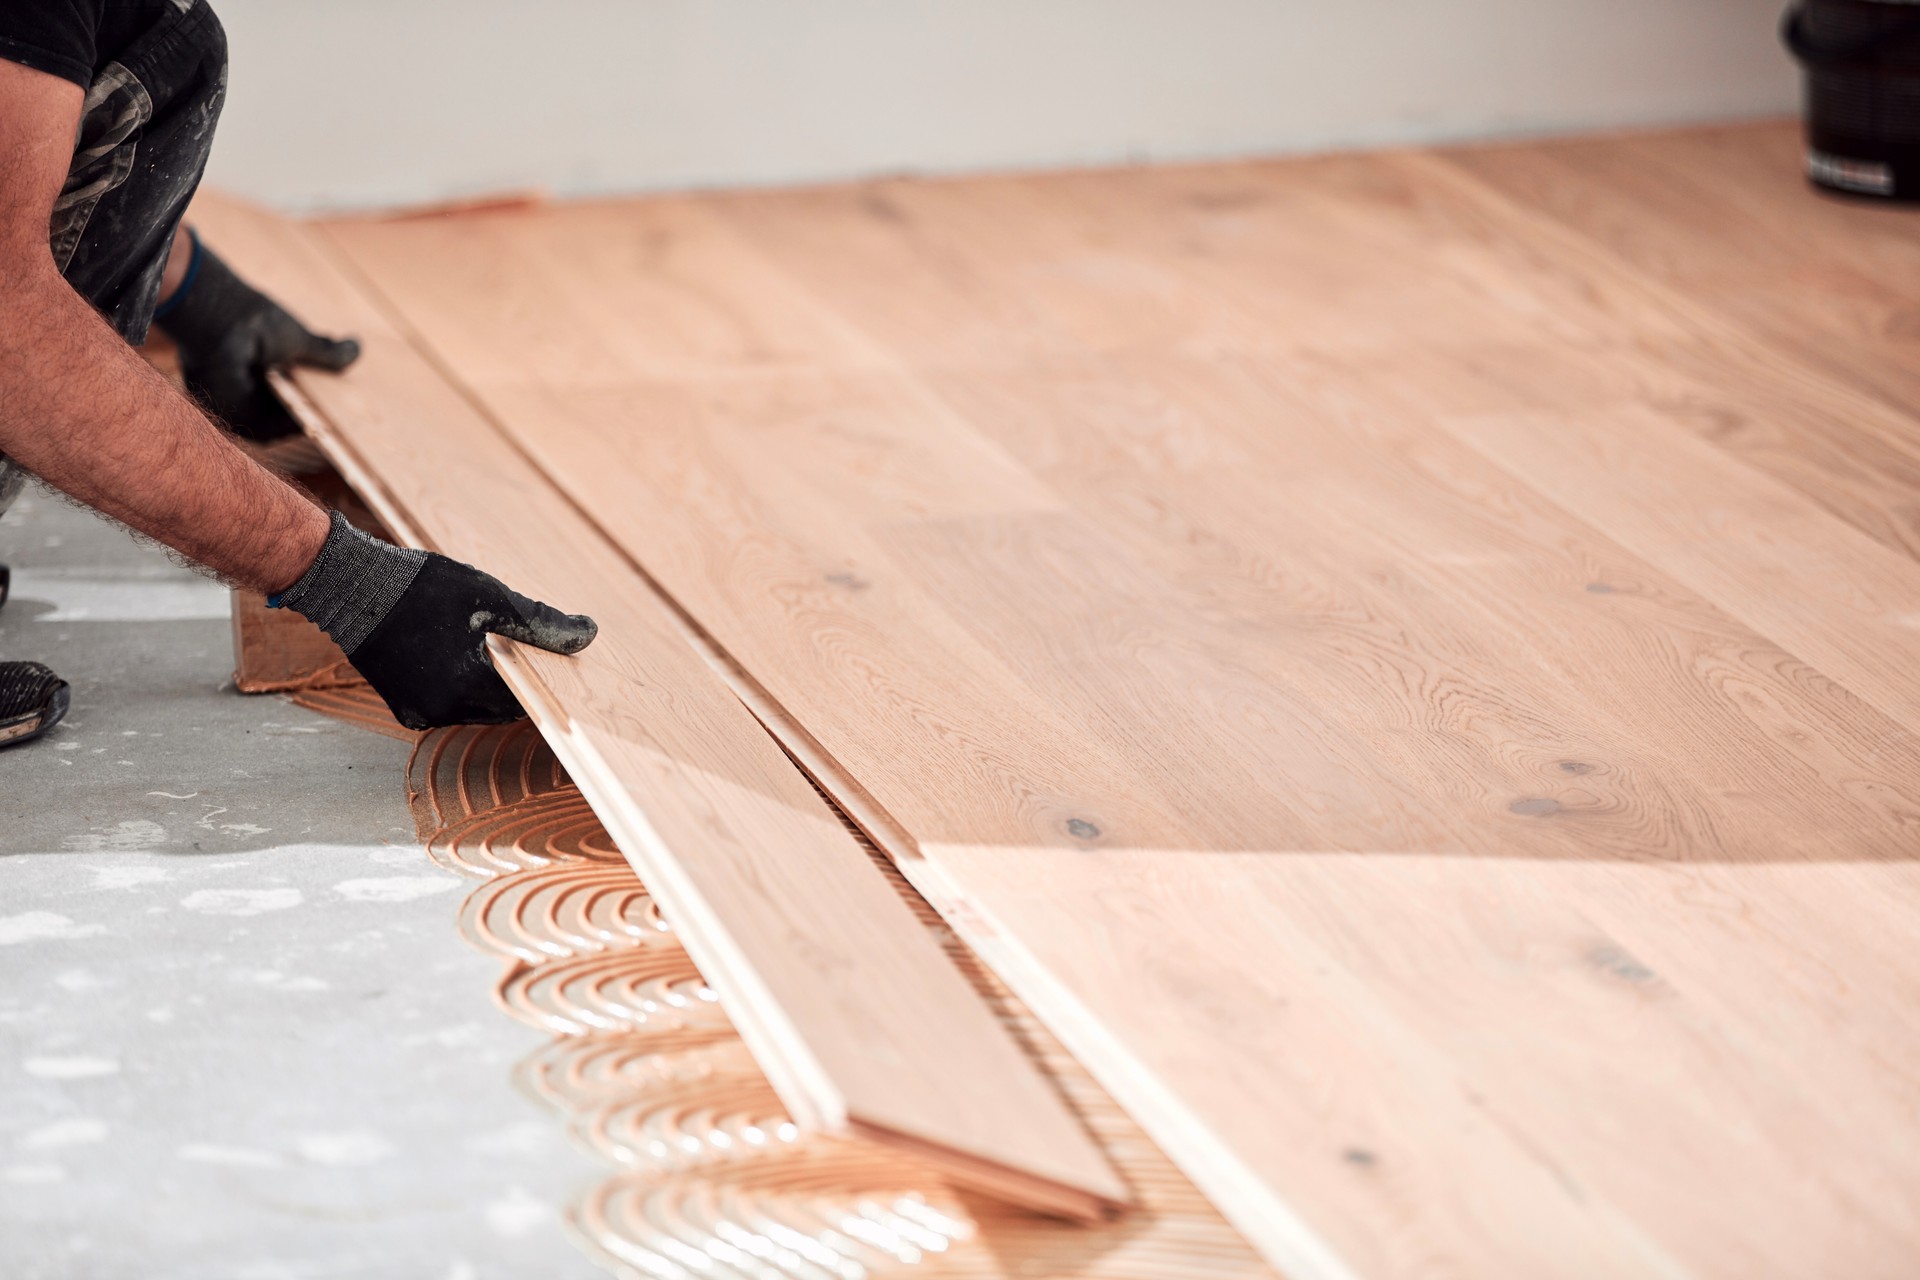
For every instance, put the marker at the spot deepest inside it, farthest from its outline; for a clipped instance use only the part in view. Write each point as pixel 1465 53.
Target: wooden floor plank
pixel 1413 698
pixel 1268 497
pixel 1726 216
pixel 862 1025
pixel 1826 593
pixel 1723 218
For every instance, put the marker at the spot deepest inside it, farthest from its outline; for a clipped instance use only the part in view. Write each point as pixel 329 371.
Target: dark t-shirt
pixel 73 39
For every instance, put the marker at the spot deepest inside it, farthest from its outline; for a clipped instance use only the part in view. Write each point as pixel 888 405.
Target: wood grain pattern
pixel 1724 216
pixel 1415 688
pixel 862 1025
pixel 1821 288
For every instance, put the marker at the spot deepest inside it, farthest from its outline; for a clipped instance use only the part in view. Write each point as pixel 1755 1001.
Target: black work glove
pixel 415 624
pixel 229 335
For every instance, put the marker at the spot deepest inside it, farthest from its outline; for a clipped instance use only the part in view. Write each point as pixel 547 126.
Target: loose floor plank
pixel 863 1026
pixel 1224 592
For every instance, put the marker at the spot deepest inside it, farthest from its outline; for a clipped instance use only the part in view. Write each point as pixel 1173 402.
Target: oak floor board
pixel 1869 736
pixel 1849 448
pixel 861 1023
pixel 1746 776
pixel 1726 215
pixel 1567 1011
pixel 1835 598
pixel 1826 285
pixel 1419 702
pixel 1056 433
pixel 1481 579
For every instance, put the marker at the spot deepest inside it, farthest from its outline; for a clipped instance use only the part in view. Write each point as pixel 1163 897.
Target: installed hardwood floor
pixel 1407 662
pixel 1721 217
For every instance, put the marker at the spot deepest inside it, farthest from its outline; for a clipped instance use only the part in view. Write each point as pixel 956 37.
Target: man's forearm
pixel 81 409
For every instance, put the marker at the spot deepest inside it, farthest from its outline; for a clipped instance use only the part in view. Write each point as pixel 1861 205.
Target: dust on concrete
pixel 238 1033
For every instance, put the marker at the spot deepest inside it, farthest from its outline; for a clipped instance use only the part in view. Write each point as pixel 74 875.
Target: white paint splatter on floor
pixel 519 1139
pixel 28 1174
pixel 65 1133
pixel 517 1213
pixel 238 1157
pixel 129 877
pixel 463 1036
pixel 136 835
pixel 77 980
pixel 213 811
pixel 77 1067
pixel 358 1147
pixel 241 902
pixel 93 595
pixel 44 926
pixel 389 856
pixel 394 888
pixel 275 980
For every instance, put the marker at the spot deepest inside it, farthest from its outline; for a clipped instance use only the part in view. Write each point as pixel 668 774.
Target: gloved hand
pixel 415 624
pixel 229 335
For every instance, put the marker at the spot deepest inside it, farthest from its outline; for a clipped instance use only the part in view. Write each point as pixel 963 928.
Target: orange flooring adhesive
pixel 714 1179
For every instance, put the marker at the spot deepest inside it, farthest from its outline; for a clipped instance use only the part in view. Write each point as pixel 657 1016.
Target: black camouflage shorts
pixel 145 130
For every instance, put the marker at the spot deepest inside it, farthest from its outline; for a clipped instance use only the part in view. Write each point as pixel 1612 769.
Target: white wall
pixel 350 102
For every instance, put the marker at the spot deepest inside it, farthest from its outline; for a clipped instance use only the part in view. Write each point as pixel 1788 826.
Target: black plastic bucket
pixel 1862 65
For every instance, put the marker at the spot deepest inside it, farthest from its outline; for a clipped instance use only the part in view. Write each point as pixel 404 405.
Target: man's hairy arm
pixel 80 409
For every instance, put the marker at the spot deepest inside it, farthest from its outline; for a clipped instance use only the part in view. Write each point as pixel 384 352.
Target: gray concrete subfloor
pixel 239 1037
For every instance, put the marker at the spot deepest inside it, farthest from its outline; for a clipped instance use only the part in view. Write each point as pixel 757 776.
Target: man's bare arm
pixel 80 409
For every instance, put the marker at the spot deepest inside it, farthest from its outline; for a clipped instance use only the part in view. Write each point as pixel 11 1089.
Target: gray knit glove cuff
pixel 352 585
